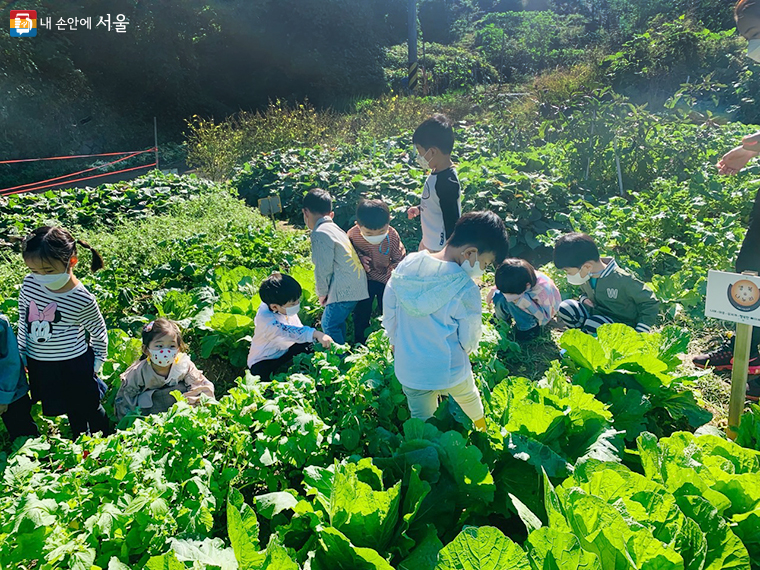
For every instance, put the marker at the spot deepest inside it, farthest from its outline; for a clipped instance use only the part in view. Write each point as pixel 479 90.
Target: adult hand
pixel 752 142
pixel 735 159
pixel 491 293
pixel 588 302
pixel 413 212
pixel 323 300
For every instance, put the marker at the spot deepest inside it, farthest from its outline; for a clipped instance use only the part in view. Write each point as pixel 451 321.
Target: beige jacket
pixel 139 383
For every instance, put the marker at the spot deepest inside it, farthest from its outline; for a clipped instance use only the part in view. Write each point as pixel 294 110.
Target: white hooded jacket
pixel 432 314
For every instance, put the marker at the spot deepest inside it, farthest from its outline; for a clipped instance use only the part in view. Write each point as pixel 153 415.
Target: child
pixel 56 313
pixel 526 296
pixel 340 278
pixel 15 405
pixel 279 334
pixel 441 203
pixel 380 251
pixel 163 368
pixel 610 295
pixel 432 315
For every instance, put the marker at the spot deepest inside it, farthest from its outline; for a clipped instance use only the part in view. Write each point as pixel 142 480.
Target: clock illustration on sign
pixel 744 295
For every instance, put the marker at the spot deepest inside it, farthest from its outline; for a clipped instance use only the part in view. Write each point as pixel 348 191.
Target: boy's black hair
pixel 373 214
pixel 435 132
pixel 279 289
pixel 318 201
pixel 485 231
pixel 513 275
pixel 49 243
pixel 573 250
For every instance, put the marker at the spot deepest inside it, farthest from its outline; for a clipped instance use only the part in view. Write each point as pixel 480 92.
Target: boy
pixel 279 335
pixel 340 278
pixel 380 251
pixel 526 296
pixel 610 295
pixel 432 315
pixel 441 203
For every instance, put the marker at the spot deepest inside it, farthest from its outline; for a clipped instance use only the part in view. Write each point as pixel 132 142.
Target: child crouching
pixel 279 335
pixel 526 296
pixel 146 386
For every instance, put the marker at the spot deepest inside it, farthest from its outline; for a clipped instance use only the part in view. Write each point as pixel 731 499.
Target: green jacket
pixel 622 297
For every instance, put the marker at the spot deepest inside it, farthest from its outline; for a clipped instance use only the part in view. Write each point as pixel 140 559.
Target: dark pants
pixel 69 387
pixel 363 310
pixel 18 418
pixel 749 257
pixel 264 369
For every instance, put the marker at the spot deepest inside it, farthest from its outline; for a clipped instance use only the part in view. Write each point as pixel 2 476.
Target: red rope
pixel 77 180
pixel 77 156
pixel 67 175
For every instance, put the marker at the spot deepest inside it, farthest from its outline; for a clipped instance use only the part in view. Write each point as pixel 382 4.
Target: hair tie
pixel 148 327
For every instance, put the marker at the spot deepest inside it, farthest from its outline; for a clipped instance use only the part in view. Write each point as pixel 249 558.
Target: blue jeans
pixel 334 319
pixel 504 310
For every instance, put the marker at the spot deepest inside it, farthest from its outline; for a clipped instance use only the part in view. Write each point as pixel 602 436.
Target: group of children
pixel 62 345
pixel 429 301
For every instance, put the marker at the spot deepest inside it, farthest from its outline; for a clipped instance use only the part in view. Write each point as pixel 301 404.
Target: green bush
pixel 519 44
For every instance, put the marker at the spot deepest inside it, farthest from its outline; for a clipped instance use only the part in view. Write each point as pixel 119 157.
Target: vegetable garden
pixel 608 458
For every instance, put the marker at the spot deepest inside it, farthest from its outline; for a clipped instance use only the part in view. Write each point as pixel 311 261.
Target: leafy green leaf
pixel 484 548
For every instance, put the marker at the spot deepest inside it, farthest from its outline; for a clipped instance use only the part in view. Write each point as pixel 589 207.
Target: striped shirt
pixel 53 326
pixel 383 258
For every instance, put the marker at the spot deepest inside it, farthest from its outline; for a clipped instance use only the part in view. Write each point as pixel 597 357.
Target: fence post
pixel 155 139
pixel 617 163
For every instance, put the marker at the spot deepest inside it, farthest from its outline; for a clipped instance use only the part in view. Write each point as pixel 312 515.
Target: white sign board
pixel 733 297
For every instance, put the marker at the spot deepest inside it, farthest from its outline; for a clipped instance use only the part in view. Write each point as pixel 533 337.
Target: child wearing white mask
pixel 432 314
pixel 279 335
pixel 380 250
pixel 56 315
pixel 609 293
pixel 164 367
pixel 441 201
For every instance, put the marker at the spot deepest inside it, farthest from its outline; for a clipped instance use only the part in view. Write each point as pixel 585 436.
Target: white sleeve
pixel 469 317
pixel 390 306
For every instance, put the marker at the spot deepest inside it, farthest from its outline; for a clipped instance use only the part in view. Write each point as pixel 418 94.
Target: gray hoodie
pixel 432 314
pixel 337 270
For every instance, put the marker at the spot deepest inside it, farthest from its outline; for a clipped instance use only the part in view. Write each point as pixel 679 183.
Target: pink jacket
pixel 541 301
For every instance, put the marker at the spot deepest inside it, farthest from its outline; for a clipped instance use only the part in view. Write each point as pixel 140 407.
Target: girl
pixel 525 296
pixel 56 315
pixel 163 368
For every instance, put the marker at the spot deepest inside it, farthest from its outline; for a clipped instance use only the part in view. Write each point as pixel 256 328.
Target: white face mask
pixel 422 161
pixel 375 240
pixel 753 50
pixel 576 278
pixel 473 271
pixel 293 311
pixel 53 281
pixel 163 357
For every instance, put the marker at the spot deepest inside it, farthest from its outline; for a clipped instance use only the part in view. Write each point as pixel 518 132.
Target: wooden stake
pixel 739 373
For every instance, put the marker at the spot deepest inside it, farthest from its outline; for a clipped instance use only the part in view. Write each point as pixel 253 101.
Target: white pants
pixel 424 403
